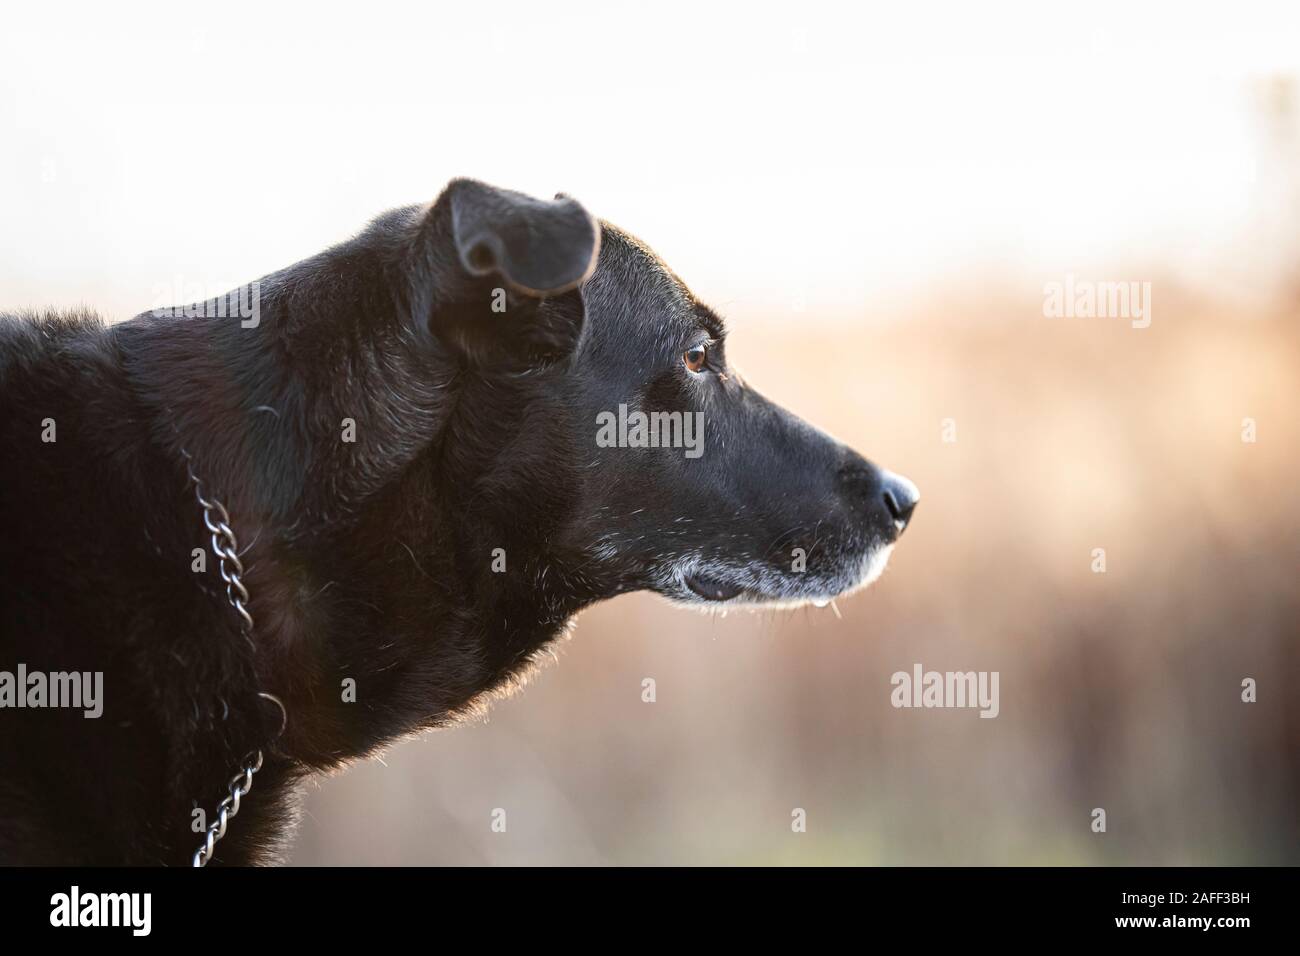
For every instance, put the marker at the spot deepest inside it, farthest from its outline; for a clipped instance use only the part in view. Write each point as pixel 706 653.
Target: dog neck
pixel 390 594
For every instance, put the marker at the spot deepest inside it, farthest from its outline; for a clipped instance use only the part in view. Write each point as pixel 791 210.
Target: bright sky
pixel 808 154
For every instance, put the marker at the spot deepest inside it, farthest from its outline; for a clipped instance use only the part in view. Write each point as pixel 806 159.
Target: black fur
pixel 372 560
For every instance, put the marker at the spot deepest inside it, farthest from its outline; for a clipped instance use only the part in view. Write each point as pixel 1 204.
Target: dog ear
pixel 537 247
pixel 498 274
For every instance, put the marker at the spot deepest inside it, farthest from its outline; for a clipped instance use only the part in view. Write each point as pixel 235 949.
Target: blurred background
pixel 876 199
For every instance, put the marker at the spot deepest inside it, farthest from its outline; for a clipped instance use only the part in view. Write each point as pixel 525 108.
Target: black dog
pixel 435 443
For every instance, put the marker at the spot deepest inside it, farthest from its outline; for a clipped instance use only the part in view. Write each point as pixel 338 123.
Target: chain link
pixel 226 547
pixel 240 784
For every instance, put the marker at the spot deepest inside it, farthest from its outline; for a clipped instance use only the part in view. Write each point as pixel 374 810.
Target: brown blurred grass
pixel 1119 690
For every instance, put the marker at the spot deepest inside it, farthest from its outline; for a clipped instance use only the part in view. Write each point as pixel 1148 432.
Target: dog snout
pixel 900 497
pixel 888 498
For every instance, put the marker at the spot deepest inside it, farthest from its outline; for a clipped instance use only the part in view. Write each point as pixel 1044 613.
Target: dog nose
pixel 900 497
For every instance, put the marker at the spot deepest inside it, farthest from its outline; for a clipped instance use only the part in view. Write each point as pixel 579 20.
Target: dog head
pixel 641 457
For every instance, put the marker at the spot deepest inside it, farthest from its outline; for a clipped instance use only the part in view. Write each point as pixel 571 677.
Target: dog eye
pixel 696 358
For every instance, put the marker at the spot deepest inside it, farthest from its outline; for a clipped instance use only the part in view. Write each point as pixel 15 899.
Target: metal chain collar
pixel 226 547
